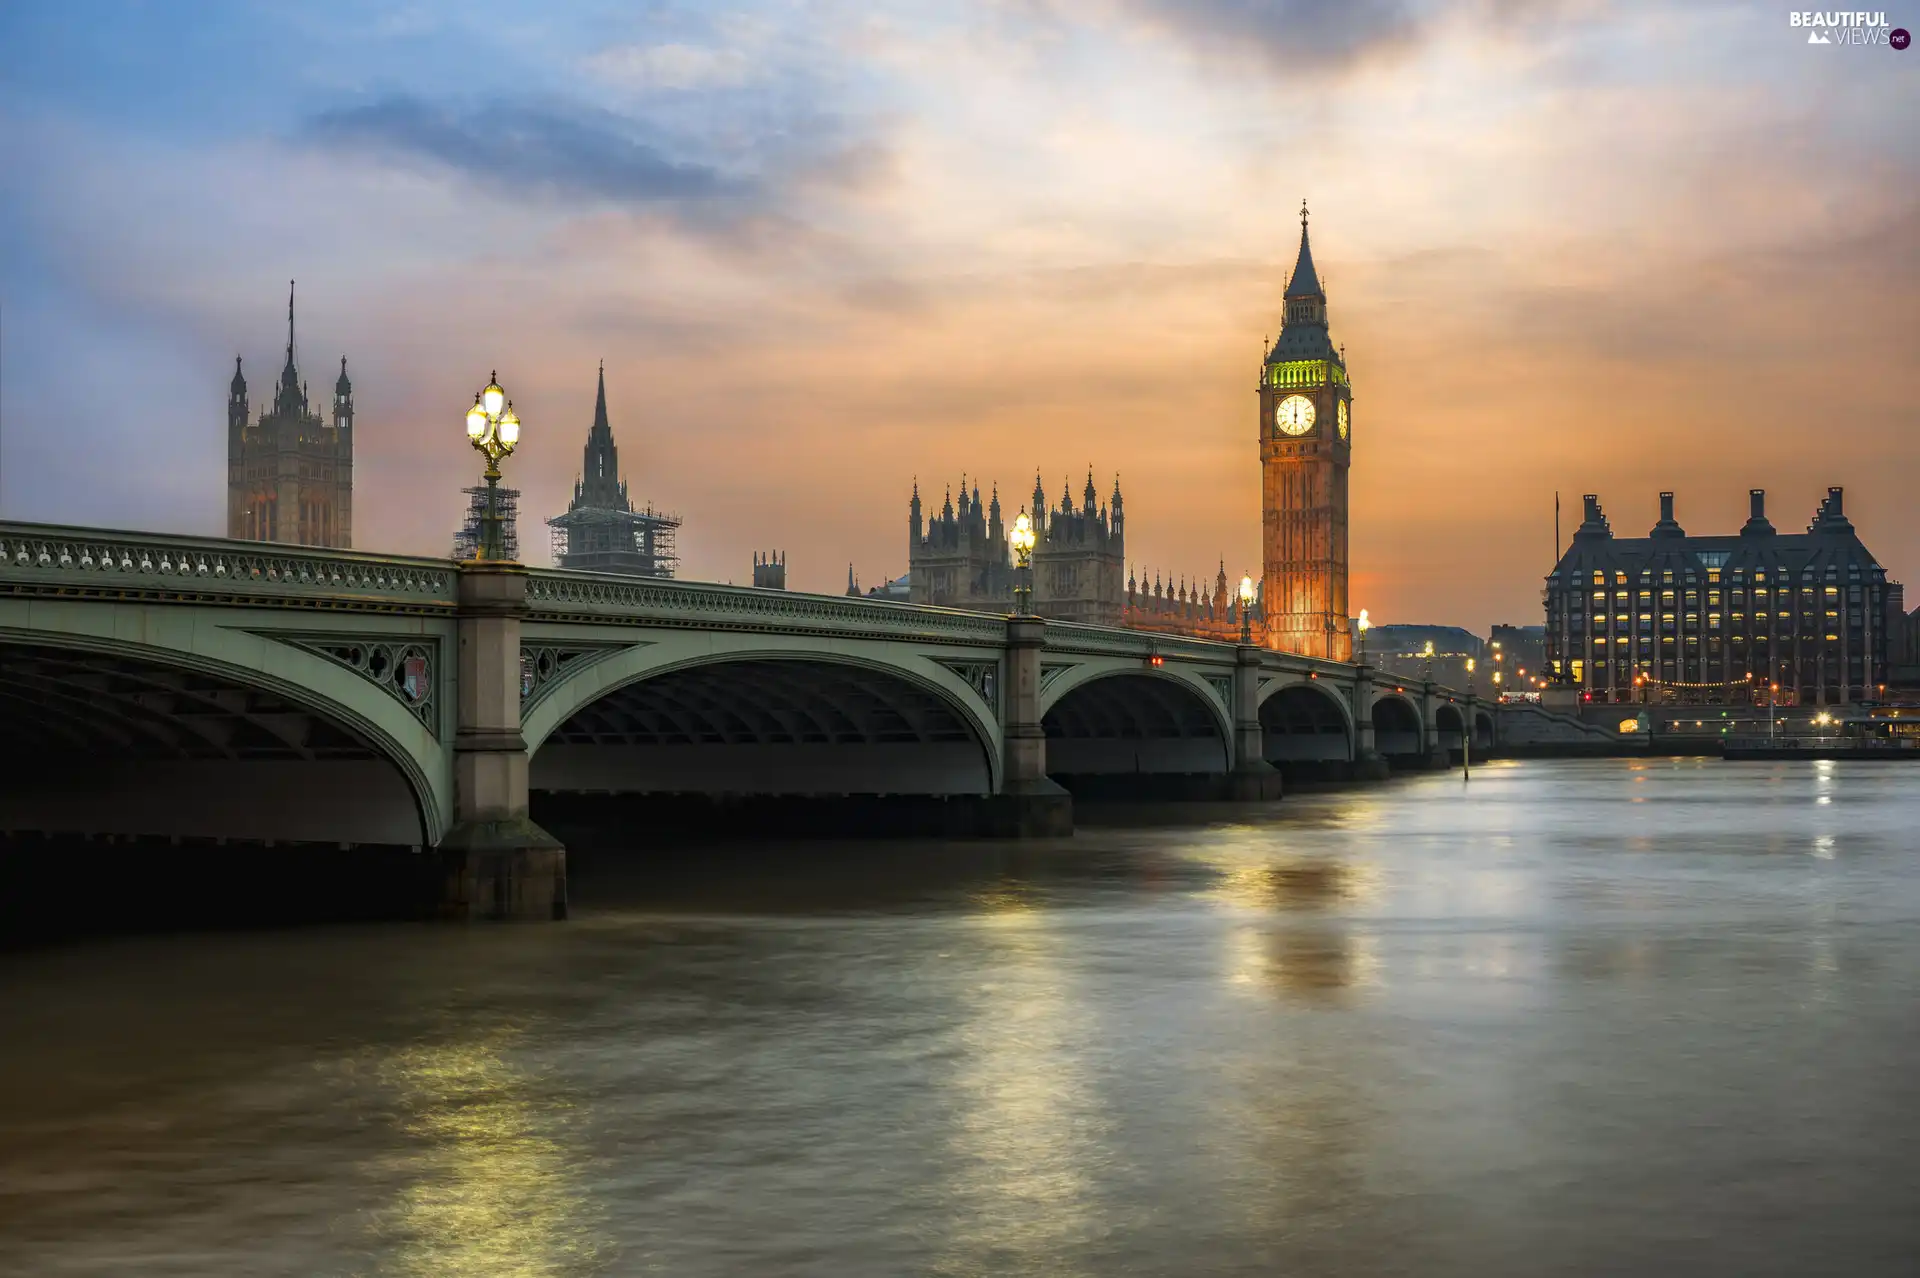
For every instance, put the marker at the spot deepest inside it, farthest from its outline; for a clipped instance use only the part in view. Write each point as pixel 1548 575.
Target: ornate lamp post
pixel 1022 540
pixel 1364 625
pixel 1427 654
pixel 493 429
pixel 1246 609
pixel 1466 730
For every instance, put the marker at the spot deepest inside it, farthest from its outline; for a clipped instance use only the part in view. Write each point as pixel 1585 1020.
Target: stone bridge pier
pixel 495 861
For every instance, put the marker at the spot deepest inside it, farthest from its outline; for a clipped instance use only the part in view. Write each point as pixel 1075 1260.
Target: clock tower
pixel 1306 446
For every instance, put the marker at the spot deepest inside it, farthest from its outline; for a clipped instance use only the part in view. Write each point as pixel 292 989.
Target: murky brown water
pixel 1573 1018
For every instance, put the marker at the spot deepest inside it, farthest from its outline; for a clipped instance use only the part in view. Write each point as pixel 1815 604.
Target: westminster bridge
pixel 165 687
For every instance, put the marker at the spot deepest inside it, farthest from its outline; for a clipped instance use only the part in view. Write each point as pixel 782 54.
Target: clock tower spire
pixel 1306 447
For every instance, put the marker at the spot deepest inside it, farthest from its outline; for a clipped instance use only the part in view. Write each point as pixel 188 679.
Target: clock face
pixel 1293 415
pixel 1345 425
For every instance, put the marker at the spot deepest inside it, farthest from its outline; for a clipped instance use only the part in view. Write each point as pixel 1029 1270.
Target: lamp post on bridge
pixel 493 429
pixel 1466 729
pixel 1364 624
pixel 1246 609
pixel 1427 670
pixel 1022 540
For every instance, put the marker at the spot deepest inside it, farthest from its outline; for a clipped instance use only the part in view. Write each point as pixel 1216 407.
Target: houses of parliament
pixel 290 473
pixel 961 558
pixel 290 479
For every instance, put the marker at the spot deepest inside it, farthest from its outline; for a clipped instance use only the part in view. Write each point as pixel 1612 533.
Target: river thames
pixel 1582 1017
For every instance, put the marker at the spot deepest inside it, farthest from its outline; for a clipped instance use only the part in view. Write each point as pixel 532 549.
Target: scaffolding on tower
pixel 466 542
pixel 639 543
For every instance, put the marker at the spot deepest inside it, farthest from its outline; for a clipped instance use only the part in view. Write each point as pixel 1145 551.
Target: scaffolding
pixel 639 543
pixel 466 542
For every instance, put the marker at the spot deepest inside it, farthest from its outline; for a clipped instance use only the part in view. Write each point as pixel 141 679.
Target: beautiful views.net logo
pixel 1850 27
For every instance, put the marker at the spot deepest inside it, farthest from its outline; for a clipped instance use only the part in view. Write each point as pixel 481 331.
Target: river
pixel 1577 1017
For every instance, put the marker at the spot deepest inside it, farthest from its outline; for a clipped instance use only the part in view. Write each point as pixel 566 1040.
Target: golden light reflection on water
pixel 490 1191
pixel 1027 1128
pixel 1254 879
pixel 1313 966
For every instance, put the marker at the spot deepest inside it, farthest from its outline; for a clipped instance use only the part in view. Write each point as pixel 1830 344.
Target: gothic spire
pixel 1304 282
pixel 600 425
pixel 600 486
pixel 288 377
pixel 239 384
pixel 342 387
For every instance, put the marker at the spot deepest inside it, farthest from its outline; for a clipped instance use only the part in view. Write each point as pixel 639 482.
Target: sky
pixel 826 250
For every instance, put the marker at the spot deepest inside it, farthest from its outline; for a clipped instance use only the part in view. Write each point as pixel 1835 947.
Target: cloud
pixel 671 66
pixel 1306 38
pixel 562 148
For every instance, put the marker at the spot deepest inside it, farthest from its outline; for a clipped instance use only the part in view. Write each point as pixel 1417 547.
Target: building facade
pixel 290 473
pixel 1193 608
pixel 1306 447
pixel 770 569
pixel 601 531
pixel 1802 618
pixel 961 558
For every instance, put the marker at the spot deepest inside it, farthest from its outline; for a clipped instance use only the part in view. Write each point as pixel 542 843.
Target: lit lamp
pixel 1469 676
pixel 1022 540
pixel 493 429
pixel 1364 624
pixel 1246 610
pixel 1427 653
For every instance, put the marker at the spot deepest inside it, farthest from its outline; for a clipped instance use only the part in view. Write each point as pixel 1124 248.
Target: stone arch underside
pixel 1482 730
pixel 1133 723
pixel 94 742
pixel 1304 722
pixel 1396 728
pixel 766 726
pixel 1450 726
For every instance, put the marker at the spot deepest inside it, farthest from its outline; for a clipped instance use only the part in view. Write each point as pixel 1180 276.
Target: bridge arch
pixel 759 718
pixel 229 735
pixel 1483 730
pixel 1305 721
pixel 1397 730
pixel 1449 726
pixel 1114 718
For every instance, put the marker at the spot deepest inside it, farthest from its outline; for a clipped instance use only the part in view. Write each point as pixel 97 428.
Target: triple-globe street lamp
pixel 493 429
pixel 1246 609
pixel 1364 625
pixel 1022 540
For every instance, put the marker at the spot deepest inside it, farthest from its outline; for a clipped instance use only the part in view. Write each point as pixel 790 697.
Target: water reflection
pixel 1026 1126
pixel 490 1188
pixel 1427 1028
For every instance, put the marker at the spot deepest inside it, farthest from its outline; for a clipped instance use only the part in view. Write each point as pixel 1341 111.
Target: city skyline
pixel 1566 251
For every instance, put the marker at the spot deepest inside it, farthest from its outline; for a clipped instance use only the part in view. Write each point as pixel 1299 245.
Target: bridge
pixel 167 687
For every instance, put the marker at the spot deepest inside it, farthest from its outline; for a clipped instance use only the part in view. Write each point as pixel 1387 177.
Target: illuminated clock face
pixel 1345 424
pixel 1293 415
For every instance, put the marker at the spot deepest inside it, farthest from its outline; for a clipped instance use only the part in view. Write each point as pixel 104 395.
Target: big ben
pixel 1306 447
